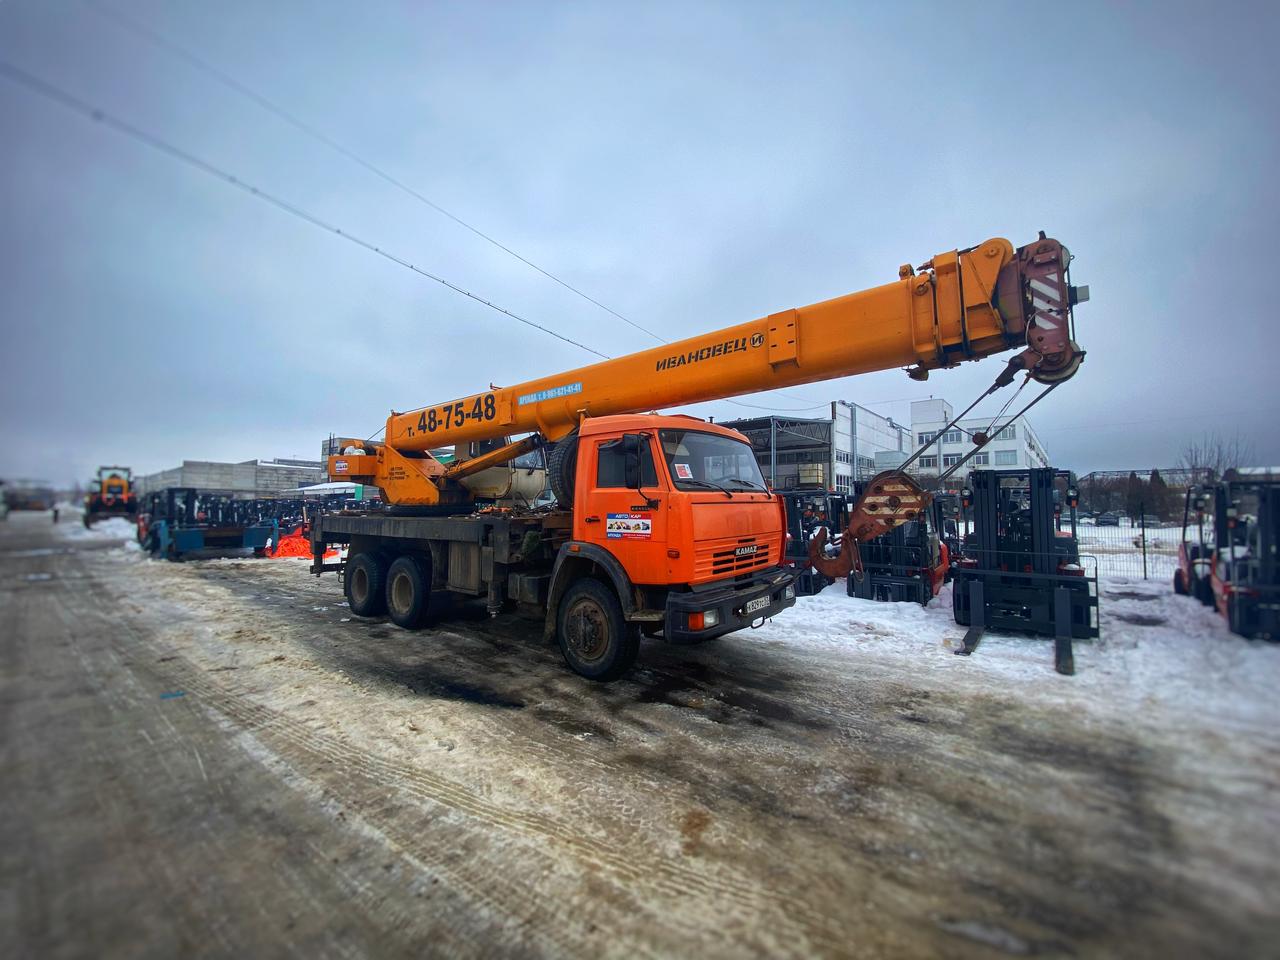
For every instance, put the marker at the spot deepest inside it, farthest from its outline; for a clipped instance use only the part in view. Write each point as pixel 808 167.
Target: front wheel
pixel 595 639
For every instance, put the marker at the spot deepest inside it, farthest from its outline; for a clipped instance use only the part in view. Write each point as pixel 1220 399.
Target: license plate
pixel 759 603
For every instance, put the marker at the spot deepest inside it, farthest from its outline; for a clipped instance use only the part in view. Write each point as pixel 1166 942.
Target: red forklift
pixel 1227 558
pixel 908 564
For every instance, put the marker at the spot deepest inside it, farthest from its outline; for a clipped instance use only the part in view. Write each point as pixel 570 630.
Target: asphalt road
pixel 214 759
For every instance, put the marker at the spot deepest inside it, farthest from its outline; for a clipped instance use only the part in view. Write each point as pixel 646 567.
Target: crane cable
pixel 47 90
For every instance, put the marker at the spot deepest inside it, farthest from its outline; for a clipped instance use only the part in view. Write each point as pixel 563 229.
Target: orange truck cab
pixel 676 511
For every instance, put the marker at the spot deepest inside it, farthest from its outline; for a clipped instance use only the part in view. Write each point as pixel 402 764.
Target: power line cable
pixel 126 22
pixel 158 39
pixel 47 90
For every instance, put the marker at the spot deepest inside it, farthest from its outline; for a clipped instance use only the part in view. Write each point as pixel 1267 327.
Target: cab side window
pixel 611 465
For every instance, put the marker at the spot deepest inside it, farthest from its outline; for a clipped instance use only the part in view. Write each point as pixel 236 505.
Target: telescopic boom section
pixel 961 305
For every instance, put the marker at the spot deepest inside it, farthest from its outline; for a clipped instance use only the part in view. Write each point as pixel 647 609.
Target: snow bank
pixel 1160 657
pixel 114 528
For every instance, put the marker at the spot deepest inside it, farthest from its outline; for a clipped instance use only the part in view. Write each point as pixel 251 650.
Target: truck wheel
pixel 365 585
pixel 595 639
pixel 408 592
pixel 562 465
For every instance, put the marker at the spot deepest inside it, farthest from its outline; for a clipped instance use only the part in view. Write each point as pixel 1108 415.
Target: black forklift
pixel 1021 567
pixel 908 564
pixel 807 510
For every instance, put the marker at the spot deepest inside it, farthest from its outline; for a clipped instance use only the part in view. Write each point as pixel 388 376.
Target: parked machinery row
pixel 1016 565
pixel 181 521
pixel 1227 557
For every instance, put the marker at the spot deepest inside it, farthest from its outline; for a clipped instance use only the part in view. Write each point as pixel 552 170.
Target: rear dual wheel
pixel 409 592
pixel 402 589
pixel 365 585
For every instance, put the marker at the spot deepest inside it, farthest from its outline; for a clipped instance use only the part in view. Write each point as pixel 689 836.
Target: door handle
pixel 590 519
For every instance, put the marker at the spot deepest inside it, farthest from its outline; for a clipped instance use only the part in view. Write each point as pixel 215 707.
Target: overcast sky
pixel 690 165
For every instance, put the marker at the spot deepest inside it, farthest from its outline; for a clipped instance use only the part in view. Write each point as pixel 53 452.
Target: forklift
pixel 1021 566
pixel 906 565
pixel 808 509
pixel 1230 563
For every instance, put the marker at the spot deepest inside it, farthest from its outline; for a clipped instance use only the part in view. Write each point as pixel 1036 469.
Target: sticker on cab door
pixel 684 471
pixel 629 526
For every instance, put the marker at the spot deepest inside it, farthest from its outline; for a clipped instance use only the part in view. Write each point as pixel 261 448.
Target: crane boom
pixel 960 305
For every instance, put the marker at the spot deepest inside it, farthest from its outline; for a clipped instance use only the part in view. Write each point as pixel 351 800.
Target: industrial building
pixel 829 452
pixel 250 479
pixel 1015 446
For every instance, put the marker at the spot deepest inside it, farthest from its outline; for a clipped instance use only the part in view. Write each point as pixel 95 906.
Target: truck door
pixel 630 521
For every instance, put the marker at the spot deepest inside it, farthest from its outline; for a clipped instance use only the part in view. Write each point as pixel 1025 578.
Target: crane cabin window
pixel 611 465
pixel 698 461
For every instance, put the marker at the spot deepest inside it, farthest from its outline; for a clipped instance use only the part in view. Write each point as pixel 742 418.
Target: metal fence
pixel 1132 549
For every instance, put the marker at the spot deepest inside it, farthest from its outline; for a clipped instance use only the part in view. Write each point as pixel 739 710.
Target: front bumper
pixel 729 601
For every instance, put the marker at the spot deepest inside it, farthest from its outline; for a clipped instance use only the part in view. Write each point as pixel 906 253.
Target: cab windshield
pixel 701 461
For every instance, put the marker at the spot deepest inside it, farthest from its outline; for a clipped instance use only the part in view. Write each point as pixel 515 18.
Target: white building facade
pixel 1016 446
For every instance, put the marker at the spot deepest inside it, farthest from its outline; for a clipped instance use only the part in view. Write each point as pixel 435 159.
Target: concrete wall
pixel 251 479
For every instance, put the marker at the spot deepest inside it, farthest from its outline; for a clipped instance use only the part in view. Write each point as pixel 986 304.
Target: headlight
pixel 789 593
pixel 710 618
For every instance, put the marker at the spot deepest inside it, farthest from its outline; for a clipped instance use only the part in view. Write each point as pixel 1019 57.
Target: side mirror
pixel 631 447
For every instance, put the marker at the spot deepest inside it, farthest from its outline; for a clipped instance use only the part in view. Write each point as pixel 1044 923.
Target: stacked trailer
pixel 908 564
pixel 181 521
pixel 1021 569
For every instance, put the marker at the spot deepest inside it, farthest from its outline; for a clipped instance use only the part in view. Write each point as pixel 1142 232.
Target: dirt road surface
pixel 214 759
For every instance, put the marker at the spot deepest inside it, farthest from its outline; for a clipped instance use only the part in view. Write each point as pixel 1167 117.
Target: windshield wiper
pixel 749 484
pixel 707 483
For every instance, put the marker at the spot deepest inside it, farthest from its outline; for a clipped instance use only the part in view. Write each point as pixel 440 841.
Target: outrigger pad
pixel 891 499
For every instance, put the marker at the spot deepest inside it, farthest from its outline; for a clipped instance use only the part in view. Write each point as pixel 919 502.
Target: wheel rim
pixel 359 585
pixel 587 630
pixel 401 594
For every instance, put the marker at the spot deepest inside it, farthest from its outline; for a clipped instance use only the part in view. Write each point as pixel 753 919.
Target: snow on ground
pixel 1161 658
pixel 113 528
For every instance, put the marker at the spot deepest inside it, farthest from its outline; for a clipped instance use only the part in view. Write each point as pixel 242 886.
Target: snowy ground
pixel 217 752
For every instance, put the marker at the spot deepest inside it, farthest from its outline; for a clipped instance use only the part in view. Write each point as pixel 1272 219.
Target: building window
pixel 1006 458
pixel 1008 433
pixel 952 436
pixel 923 438
pixel 928 463
pixel 981 459
pixel 951 459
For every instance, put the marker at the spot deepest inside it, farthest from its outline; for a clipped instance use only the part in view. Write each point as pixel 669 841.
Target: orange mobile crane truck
pixel 663 525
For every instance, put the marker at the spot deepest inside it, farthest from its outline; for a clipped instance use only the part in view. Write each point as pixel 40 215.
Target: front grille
pixel 721 558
